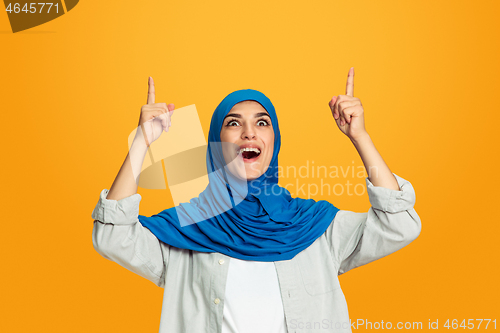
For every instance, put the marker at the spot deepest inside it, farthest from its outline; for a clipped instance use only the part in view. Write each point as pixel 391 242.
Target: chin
pixel 251 173
pixel 246 174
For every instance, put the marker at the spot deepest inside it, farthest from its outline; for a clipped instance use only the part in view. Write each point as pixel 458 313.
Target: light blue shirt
pixel 195 282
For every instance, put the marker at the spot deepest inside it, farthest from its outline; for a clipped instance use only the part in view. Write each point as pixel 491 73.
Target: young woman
pixel 244 256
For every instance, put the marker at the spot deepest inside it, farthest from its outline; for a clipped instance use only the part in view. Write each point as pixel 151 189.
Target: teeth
pixel 257 150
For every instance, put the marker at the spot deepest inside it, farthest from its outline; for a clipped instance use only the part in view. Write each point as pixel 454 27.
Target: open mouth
pixel 249 154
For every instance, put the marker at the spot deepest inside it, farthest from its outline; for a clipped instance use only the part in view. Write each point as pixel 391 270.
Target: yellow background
pixel 427 73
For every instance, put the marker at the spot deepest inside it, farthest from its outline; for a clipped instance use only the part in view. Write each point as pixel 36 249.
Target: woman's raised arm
pixel 349 116
pixel 391 223
pixel 154 119
pixel 118 235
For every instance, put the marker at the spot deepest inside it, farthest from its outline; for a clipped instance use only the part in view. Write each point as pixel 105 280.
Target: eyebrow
pixel 236 115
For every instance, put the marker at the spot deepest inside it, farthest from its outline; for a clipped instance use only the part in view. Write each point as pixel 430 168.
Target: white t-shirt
pixel 252 301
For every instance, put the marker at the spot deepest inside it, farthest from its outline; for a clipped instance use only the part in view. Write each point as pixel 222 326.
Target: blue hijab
pixel 245 219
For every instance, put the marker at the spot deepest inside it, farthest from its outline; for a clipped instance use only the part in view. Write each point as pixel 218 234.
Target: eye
pixel 229 123
pixel 266 123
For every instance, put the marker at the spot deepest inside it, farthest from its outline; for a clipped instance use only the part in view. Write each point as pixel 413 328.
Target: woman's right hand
pixel 155 117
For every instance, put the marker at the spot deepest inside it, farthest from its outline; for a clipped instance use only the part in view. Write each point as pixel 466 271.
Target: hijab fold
pixel 245 219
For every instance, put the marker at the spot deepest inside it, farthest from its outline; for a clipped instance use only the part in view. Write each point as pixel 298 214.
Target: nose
pixel 248 132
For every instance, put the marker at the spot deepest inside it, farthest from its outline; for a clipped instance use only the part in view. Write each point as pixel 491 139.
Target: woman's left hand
pixel 348 111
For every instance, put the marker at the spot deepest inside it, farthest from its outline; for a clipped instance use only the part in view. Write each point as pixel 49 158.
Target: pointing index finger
pixel 349 88
pixel 151 91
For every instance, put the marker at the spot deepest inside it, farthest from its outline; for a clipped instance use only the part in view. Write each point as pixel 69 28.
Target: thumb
pixel 332 101
pixel 171 108
pixel 332 105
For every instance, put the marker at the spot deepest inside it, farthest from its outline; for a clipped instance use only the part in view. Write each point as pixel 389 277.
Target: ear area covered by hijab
pixel 246 219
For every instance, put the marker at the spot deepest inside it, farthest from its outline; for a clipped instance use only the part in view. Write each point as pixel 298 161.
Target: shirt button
pixel 221 261
pixel 216 301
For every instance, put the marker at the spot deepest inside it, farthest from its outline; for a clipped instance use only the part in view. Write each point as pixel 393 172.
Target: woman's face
pixel 248 126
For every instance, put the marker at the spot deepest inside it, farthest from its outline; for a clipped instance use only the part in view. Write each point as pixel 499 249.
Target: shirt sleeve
pixel 390 224
pixel 119 236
